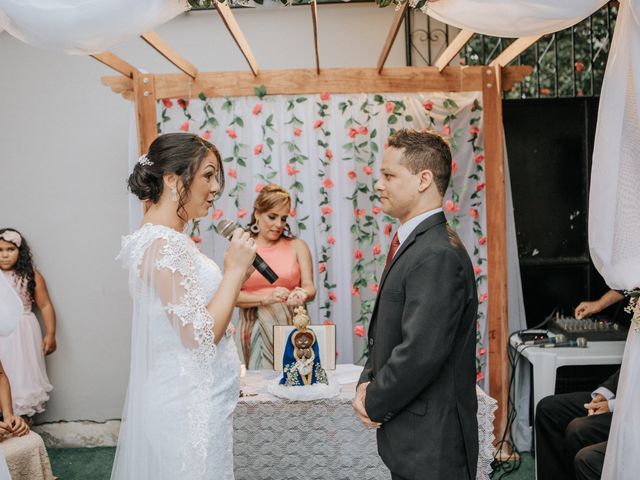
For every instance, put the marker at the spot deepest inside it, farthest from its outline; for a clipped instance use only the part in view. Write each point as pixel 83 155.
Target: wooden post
pixel 144 96
pixel 497 244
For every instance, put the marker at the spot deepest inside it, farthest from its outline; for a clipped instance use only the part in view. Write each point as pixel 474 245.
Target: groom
pixel 418 385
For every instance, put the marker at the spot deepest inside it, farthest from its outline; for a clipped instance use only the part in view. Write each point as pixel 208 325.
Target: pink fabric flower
pixel 292 213
pixel 376 210
pixel 332 296
pixel 297 132
pixel 206 135
pixel 183 103
pixel 359 212
pixel 377 249
pixel 257 109
pixel 367 170
pixel 363 130
pixel 474 213
pixel 167 102
pixel 389 106
pixel 479 376
pixel 482 351
pixel 483 297
pixel 326 210
pixel 324 96
pixel 185 126
pixel 374 287
pixel 478 158
pixel 328 322
pixel 291 170
pixel 359 330
pixel 258 188
pixel 357 254
pixel 257 150
pixel 217 214
pixel 196 239
pixel 331 240
pixel 318 123
pixel 242 213
pixel 328 153
pixel 232 133
pixel 446 130
pixel 387 229
pixel 579 66
pixel 474 130
pixel 427 104
pixel 352 132
pixel 322 268
pixel 355 291
pixel 451 206
pixel 477 269
pixel 352 174
pixel 233 173
pixel 479 186
pixel 482 240
pixel 454 166
pixel 327 183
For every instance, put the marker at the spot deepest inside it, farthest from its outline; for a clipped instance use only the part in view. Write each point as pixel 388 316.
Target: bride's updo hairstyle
pixel 178 153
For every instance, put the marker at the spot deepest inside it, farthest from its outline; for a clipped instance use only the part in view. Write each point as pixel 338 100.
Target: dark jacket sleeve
pixel 611 383
pixel 435 293
pixel 365 376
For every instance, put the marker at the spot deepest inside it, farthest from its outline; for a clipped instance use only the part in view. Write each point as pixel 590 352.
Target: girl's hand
pixel 241 251
pixel 297 297
pixel 49 344
pixel 18 426
pixel 5 430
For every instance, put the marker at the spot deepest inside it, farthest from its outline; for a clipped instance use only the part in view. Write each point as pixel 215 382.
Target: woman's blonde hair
pixel 271 196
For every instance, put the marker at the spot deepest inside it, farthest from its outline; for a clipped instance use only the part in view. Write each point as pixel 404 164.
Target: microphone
pixel 225 228
pixel 579 342
pixel 559 338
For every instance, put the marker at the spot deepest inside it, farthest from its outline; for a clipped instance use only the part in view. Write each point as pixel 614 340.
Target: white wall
pixel 63 164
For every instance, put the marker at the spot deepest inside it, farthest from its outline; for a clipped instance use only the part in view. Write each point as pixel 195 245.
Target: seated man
pixel 572 428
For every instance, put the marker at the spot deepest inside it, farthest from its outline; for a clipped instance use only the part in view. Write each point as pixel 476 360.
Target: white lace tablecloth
pixel 277 439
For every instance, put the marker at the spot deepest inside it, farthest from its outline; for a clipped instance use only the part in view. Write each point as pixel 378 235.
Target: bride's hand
pixel 241 251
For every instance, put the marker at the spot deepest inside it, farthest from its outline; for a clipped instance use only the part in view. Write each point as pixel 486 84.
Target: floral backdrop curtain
pixel 325 149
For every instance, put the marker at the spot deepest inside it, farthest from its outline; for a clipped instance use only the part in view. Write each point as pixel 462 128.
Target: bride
pixel 184 379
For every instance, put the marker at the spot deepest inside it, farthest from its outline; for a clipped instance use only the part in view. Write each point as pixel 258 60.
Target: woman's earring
pixel 255 229
pixel 174 194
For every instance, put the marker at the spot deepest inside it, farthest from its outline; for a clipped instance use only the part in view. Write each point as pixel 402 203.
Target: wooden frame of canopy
pixel 145 88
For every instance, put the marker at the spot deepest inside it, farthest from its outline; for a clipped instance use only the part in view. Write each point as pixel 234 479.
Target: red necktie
pixel 395 243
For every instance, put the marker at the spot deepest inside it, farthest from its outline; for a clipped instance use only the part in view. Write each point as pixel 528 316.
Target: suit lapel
pixel 422 227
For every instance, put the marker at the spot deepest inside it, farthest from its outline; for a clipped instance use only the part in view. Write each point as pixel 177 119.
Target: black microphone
pixel 559 338
pixel 225 228
pixel 579 342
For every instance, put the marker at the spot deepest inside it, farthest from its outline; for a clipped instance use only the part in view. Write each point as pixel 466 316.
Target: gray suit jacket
pixel 421 365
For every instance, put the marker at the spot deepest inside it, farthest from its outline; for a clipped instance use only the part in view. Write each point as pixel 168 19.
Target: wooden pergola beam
pixel 164 49
pixel 453 49
pixel 314 15
pixel 497 312
pixel 232 25
pixel 113 61
pixel 391 36
pixel 513 50
pixel 145 102
pixel 335 80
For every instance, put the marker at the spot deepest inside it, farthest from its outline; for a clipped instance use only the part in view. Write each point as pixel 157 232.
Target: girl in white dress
pixel 22 352
pixel 184 381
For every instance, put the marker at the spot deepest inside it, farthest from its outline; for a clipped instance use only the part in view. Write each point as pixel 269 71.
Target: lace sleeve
pixel 169 268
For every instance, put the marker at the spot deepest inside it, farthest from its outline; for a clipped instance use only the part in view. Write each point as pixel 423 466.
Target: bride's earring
pixel 255 229
pixel 174 194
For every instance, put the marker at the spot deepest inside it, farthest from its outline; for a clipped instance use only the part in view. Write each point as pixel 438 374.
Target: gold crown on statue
pixel 301 320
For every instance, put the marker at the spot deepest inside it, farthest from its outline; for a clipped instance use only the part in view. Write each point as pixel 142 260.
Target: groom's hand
pixel 358 406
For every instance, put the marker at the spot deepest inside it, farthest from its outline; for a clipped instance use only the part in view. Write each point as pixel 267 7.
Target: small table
pixel 281 439
pixel 546 361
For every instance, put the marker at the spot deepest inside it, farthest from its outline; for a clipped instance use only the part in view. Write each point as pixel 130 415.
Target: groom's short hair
pixel 424 150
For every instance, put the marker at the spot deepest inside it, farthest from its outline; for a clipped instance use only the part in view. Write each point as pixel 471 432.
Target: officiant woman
pixel 263 305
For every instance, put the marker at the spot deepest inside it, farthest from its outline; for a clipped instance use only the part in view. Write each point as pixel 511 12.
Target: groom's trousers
pixel 566 436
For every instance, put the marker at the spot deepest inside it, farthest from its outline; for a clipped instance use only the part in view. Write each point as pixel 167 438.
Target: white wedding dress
pixel 178 416
pixel 622 459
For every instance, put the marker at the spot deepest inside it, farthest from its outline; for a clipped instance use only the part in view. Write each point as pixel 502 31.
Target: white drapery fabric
pixel 84 26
